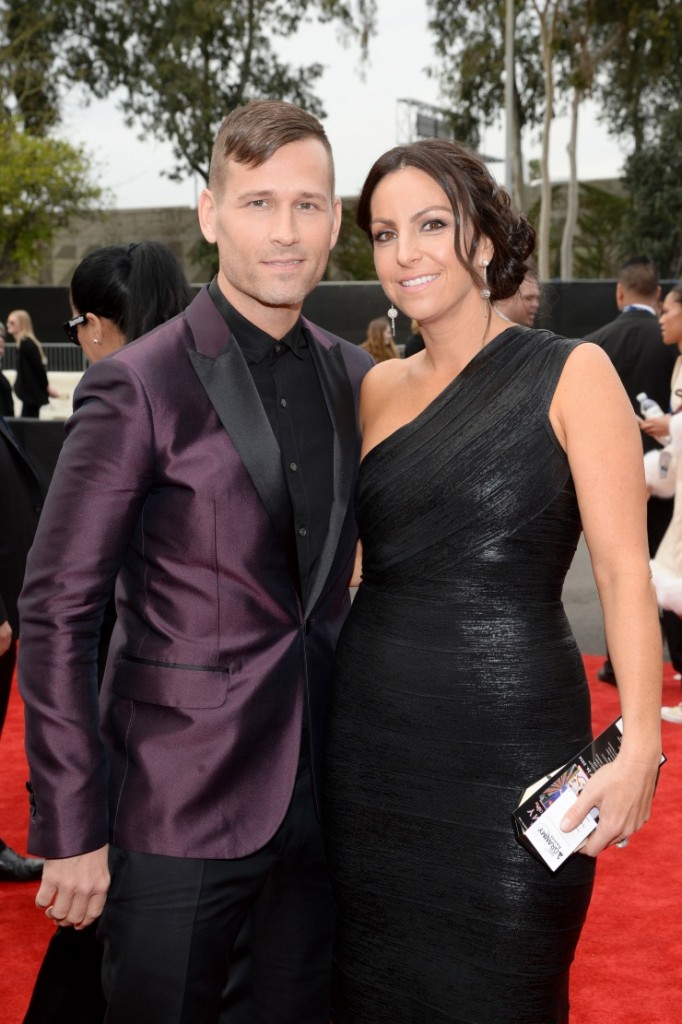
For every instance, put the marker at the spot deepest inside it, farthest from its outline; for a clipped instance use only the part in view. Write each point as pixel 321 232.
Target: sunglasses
pixel 71 327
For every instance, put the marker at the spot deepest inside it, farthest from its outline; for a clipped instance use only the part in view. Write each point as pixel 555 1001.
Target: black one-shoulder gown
pixel 458 683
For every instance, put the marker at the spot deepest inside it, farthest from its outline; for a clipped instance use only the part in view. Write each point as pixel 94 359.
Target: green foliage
pixel 185 64
pixel 43 184
pixel 652 178
pixel 351 259
pixel 600 244
pixel 29 63
pixel 469 39
pixel 642 79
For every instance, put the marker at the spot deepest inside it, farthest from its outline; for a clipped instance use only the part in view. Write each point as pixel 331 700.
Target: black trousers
pixel 7 662
pixel 170 923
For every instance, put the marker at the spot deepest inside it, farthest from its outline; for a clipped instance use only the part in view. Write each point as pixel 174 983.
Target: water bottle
pixel 664 462
pixel 650 410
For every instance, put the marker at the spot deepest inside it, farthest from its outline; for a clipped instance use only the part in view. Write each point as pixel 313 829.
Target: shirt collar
pixel 639 306
pixel 255 343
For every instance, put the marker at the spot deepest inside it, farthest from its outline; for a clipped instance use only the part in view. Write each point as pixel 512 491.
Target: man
pixel 634 344
pixel 20 506
pixel 523 306
pixel 210 467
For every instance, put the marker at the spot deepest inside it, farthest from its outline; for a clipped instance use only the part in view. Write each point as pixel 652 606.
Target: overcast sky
pixel 364 118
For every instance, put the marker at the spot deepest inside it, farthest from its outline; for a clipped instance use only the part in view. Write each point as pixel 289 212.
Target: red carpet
pixel 628 968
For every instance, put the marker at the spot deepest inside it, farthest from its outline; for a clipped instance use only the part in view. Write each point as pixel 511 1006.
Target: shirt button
pixel 293 467
pixel 302 532
pixel 283 402
pixel 278 349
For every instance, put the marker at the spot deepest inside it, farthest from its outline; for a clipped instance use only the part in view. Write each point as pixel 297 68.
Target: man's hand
pixel 74 889
pixel 5 637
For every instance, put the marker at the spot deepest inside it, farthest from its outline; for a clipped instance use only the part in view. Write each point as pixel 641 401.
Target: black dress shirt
pixel 285 376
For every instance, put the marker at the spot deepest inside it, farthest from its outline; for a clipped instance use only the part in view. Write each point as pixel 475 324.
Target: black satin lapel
pixel 230 388
pixel 338 394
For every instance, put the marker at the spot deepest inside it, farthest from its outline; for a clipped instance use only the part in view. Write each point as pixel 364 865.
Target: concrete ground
pixel 58 408
pixel 581 602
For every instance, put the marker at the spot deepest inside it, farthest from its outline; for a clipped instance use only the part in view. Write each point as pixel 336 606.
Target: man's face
pixel 529 301
pixel 274 226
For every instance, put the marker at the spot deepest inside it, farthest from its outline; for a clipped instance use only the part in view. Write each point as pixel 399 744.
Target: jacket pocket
pixel 170 684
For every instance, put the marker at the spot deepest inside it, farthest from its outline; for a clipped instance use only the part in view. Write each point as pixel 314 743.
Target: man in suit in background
pixel 522 307
pixel 209 468
pixel 21 499
pixel 634 344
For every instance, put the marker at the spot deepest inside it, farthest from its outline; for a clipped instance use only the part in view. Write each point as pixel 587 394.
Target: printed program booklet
pixel 544 804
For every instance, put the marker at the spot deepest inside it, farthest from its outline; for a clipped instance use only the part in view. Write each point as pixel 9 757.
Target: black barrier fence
pixel 571 308
pixel 66 358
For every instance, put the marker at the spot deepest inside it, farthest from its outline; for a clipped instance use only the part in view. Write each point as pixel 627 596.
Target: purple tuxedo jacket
pixel 170 483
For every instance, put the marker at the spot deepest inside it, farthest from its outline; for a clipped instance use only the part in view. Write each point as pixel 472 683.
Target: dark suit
pixel 634 344
pixel 21 500
pixel 172 481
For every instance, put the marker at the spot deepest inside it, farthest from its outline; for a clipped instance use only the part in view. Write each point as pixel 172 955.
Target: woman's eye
pixel 433 225
pixel 384 236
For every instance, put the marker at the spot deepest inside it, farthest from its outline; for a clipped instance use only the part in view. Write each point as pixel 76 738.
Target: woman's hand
pixel 622 791
pixel 657 427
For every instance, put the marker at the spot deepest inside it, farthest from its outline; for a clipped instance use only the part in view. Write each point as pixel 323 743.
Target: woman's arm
pixel 593 420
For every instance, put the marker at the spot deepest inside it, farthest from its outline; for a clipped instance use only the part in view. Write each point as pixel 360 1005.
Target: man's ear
pixel 620 296
pixel 206 210
pixel 336 223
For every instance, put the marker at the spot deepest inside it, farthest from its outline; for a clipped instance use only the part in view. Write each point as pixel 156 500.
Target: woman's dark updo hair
pixel 676 291
pixel 138 286
pixel 477 202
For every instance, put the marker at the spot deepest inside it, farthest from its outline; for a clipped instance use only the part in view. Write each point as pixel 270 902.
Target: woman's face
pixel 13 325
pixel 413 231
pixel 671 319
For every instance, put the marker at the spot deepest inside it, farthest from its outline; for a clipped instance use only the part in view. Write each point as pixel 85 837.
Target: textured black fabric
pixel 458 683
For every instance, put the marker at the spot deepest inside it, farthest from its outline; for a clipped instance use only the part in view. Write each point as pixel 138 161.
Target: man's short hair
pixel 639 276
pixel 252 133
pixel 532 271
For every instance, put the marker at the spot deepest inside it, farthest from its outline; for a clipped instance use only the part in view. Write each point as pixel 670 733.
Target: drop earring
pixel 485 291
pixel 392 314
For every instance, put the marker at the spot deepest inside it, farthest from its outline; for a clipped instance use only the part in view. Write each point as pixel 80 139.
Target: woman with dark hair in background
pixel 118 293
pixel 458 680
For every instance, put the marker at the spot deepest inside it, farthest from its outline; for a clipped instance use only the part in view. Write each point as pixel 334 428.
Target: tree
pixel 184 64
pixel 588 33
pixel 652 177
pixel 599 244
pixel 43 183
pixel 29 63
pixel 351 259
pixel 623 52
pixel 469 40
pixel 642 78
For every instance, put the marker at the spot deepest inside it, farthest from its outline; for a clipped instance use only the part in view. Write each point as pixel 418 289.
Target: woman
pixel 667 564
pixel 459 681
pixel 31 385
pixel 118 293
pixel 121 292
pixel 379 341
